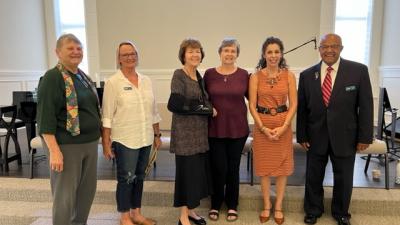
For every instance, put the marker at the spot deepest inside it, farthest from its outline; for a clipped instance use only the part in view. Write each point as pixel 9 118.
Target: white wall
pixel 391 34
pixel 23 46
pixel 158 27
pixel 390 60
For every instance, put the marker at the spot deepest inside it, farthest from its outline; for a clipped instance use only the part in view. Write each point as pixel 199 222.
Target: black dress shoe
pixel 343 221
pixel 310 219
pixel 200 221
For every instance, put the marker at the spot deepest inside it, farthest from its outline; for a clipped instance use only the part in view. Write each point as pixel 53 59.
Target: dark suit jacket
pixel 346 121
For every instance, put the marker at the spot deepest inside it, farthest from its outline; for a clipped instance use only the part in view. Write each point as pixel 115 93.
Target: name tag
pixel 351 88
pixel 128 88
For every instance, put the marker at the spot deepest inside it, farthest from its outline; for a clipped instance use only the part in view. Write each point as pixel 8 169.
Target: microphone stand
pixel 312 40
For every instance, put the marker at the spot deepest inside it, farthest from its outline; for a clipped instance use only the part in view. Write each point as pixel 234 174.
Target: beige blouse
pixel 130 111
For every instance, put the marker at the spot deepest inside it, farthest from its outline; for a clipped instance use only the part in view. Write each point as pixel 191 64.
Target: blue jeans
pixel 131 165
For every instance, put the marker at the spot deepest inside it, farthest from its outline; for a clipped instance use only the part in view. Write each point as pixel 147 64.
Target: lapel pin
pixel 316 75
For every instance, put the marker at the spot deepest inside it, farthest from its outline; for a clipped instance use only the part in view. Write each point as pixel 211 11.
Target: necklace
pixel 225 72
pixel 192 76
pixel 272 80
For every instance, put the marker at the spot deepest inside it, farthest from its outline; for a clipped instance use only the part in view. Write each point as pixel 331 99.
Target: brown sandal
pixel 279 221
pixel 264 219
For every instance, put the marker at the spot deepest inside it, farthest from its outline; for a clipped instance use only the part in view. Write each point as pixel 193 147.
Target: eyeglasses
pixel 125 56
pixel 326 47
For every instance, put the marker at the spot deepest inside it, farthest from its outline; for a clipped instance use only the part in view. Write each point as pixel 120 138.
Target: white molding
pixel 389 71
pixel 20 75
pixel 169 72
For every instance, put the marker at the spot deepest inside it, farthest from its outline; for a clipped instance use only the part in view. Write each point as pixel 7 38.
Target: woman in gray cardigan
pixel 189 137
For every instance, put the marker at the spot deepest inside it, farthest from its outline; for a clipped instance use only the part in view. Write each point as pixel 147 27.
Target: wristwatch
pixel 157 135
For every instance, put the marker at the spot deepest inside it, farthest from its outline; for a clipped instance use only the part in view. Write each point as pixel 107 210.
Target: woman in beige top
pixel 130 127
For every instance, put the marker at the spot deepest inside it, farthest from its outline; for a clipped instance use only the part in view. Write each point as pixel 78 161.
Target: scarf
pixel 72 124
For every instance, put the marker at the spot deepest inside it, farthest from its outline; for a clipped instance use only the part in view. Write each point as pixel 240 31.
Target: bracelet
pixel 262 129
pixel 157 135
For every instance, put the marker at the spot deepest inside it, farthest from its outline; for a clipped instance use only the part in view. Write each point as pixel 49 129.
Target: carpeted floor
pixel 28 202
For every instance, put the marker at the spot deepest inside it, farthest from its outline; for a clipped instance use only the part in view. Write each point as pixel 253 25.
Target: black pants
pixel 225 154
pixel 343 168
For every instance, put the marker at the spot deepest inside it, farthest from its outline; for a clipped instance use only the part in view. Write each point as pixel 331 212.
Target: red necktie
pixel 327 86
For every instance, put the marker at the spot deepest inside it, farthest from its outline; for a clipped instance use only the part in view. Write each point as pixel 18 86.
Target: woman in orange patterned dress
pixel 273 103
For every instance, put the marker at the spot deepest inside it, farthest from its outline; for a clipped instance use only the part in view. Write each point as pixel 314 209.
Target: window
pixel 353 24
pixel 70 18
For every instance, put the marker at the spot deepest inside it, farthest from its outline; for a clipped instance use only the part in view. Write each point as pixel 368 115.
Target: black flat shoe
pixel 310 219
pixel 343 221
pixel 179 222
pixel 200 221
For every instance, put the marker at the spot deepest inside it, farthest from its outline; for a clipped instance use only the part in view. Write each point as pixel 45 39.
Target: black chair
pixel 385 131
pixel 8 123
pixel 391 130
pixel 388 131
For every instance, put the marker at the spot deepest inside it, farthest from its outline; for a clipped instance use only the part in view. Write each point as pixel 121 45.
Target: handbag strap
pixel 199 81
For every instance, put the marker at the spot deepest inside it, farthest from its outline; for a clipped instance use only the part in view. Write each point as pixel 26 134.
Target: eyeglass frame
pixel 126 56
pixel 334 47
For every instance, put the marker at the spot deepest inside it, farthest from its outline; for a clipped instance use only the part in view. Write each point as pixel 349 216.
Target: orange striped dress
pixel 273 158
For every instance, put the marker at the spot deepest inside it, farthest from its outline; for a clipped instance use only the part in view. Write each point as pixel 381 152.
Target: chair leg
pixel 31 164
pixel 386 172
pixel 251 168
pixel 6 161
pixel 248 161
pixel 1 157
pixel 367 163
pixel 17 149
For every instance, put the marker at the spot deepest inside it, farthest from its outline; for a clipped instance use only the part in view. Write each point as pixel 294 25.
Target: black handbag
pixel 179 104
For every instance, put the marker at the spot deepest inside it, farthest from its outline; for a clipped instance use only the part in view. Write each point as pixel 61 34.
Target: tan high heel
pixel 279 221
pixel 264 219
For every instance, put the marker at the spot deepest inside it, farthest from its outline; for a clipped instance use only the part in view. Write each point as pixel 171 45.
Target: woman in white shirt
pixel 130 127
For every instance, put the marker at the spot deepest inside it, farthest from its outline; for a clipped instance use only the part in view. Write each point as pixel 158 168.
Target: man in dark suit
pixel 334 120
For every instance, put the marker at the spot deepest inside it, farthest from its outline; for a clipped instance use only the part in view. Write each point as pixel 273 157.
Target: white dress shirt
pixel 324 70
pixel 130 111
